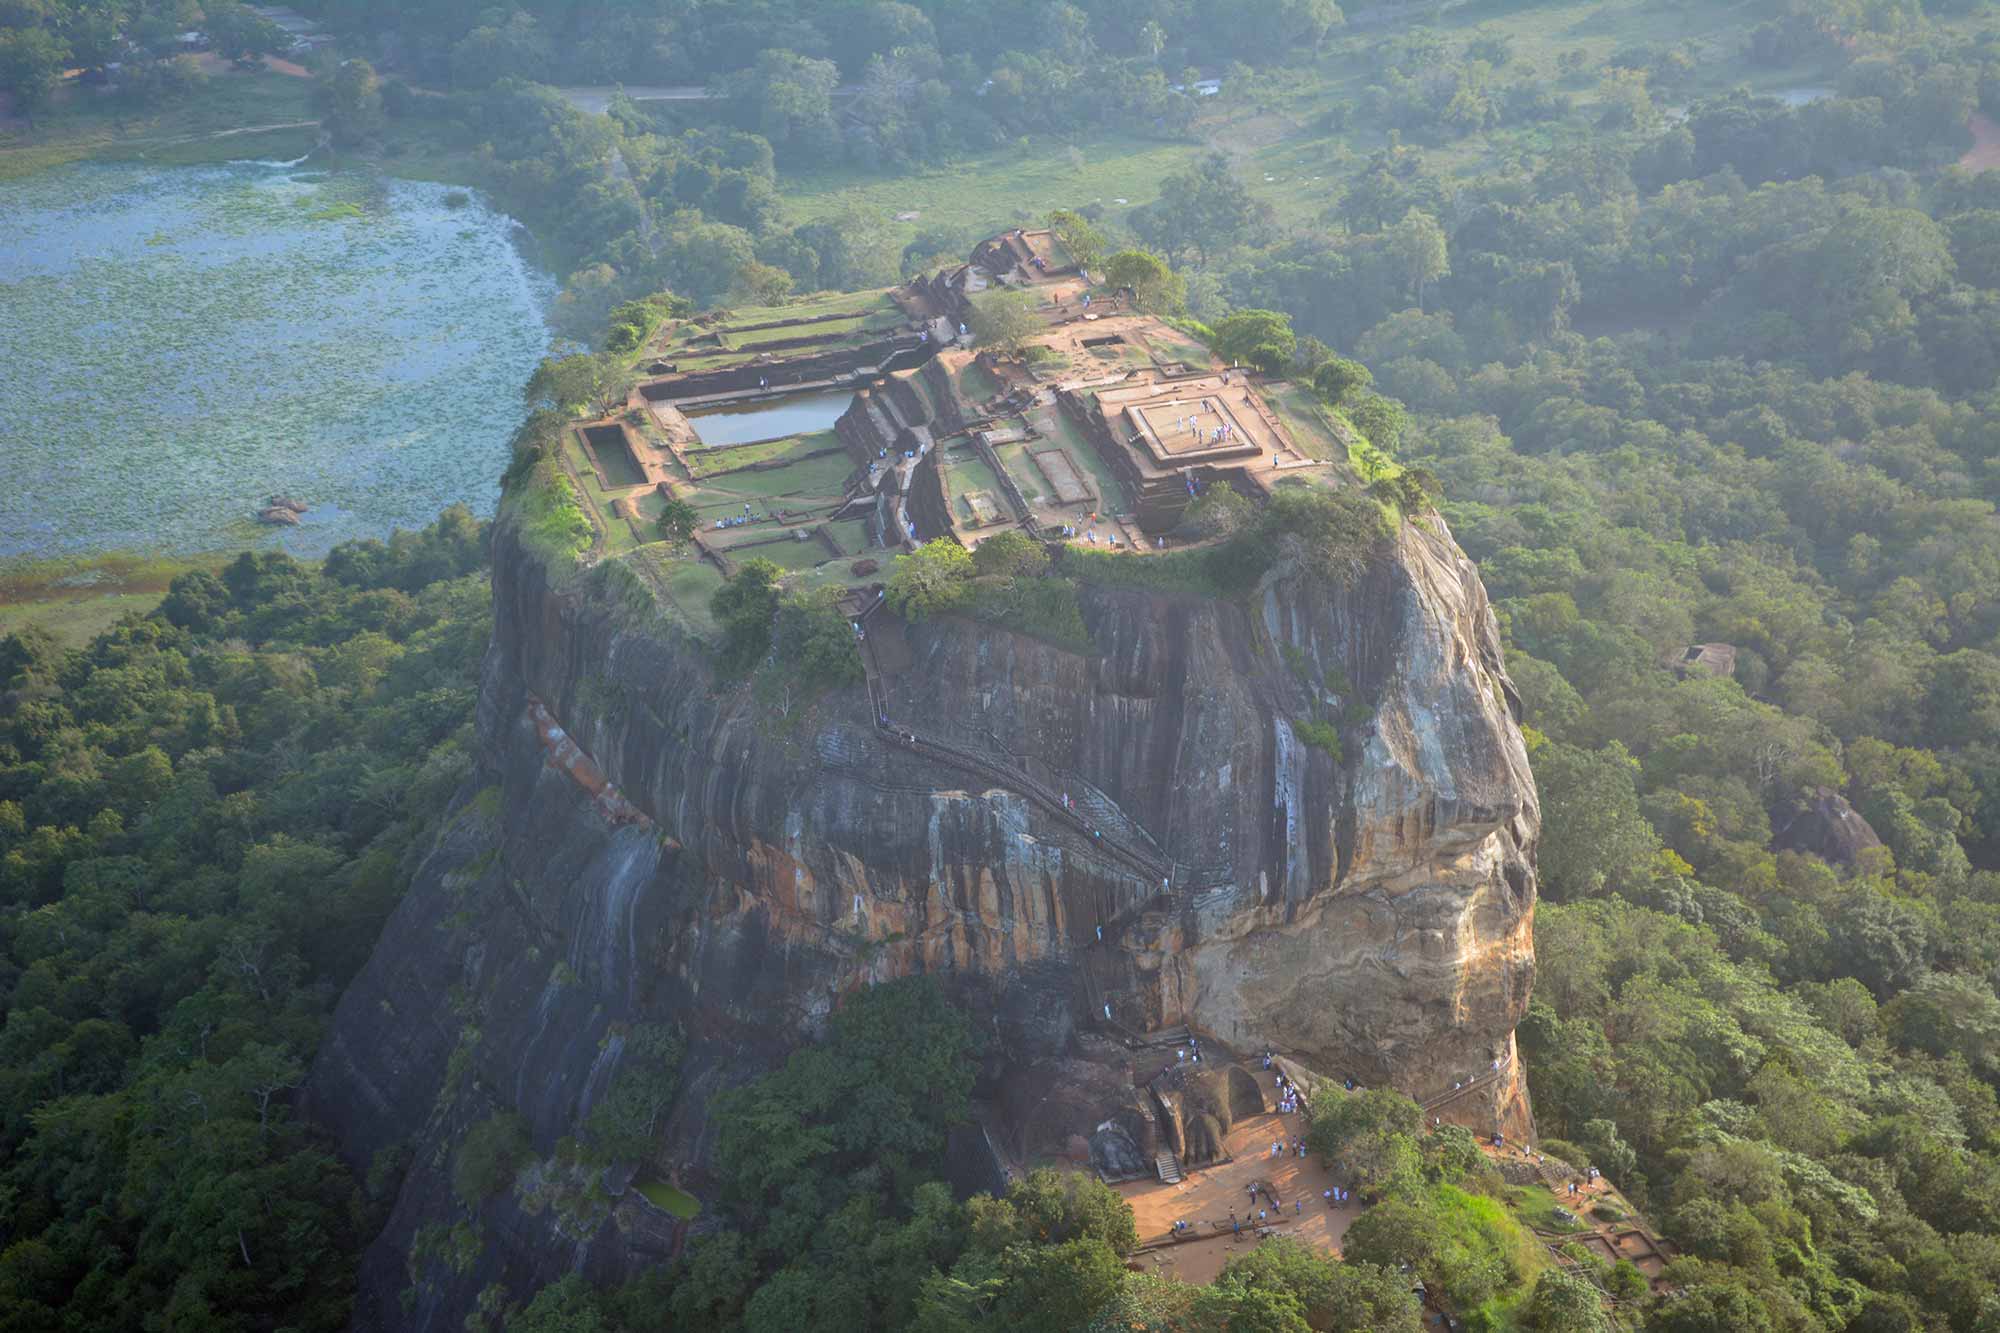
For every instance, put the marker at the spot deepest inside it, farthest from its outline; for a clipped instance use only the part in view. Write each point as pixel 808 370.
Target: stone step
pixel 1169 1170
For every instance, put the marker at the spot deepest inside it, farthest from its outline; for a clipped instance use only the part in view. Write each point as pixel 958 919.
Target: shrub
pixel 743 607
pixel 814 643
pixel 1010 553
pixel 932 579
pixel 1334 380
pixel 552 521
pixel 490 1154
pixel 1320 735
pixel 1005 319
pixel 1045 608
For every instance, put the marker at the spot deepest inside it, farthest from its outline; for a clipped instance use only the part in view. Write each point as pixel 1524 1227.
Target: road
pixel 596 100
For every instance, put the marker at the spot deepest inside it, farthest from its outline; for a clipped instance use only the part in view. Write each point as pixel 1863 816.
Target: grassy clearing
pixel 75 621
pixel 1303 415
pixel 689 583
pixel 1014 458
pixel 969 473
pixel 26 580
pixel 707 462
pixel 850 535
pixel 84 123
pixel 763 337
pixel 1169 347
pixel 822 477
pixel 976 383
pixel 786 553
pixel 1055 424
pixel 678 1202
pixel 1536 1206
pixel 552 520
pixel 1479 1228
pixel 1011 186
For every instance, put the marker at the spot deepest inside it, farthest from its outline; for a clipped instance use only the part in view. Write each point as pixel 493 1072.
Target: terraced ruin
pixel 831 433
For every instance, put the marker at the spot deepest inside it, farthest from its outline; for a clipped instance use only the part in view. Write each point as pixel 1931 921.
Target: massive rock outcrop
pixel 1367 911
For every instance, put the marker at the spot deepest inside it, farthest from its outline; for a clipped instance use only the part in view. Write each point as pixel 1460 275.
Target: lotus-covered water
pixel 179 344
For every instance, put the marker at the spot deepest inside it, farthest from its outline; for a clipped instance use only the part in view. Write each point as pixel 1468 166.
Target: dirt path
pixel 1984 155
pixel 245 129
pixel 1210 1194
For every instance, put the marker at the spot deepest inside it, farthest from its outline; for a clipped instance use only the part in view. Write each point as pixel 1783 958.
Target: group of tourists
pixel 1279 1148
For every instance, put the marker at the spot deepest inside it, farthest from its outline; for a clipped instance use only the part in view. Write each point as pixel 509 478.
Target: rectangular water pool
pixel 801 414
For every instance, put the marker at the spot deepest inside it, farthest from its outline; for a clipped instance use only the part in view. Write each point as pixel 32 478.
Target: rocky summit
pixel 1110 851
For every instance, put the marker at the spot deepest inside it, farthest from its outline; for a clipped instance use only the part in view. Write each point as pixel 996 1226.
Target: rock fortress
pixel 1112 856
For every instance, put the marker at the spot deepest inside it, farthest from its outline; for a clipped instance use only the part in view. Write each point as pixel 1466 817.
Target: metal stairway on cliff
pixel 1473 1085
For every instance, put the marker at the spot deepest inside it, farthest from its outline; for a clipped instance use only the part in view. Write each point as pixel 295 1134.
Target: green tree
pixel 678 520
pixel 1083 240
pixel 625 1122
pixel 31 65
pixel 1010 554
pixel 350 102
pixel 1057 1288
pixel 1419 245
pixel 1155 287
pixel 1204 210
pixel 1335 380
pixel 488 1157
pixel 1058 1206
pixel 1005 318
pixel 1710 1309
pixel 1565 1303
pixel 569 1305
pixel 744 606
pixel 1261 338
pixel 239 32
pixel 932 580
pixel 566 384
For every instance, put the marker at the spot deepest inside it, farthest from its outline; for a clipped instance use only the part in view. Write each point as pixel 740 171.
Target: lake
pixel 177 344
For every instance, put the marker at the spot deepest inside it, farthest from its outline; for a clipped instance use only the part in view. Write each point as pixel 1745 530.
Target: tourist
pixel 1235 1227
pixel 1328 1196
pixel 1262 1216
pixel 1298 1207
pixel 1100 929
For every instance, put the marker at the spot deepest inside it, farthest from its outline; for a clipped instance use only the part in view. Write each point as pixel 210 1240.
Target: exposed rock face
pixel 1368 913
pixel 1827 826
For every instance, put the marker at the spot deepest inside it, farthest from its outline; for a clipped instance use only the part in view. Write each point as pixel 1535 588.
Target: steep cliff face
pixel 1368 911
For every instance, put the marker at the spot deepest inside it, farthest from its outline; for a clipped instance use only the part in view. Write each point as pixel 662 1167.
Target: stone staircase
pixel 1555 1173
pixel 1168 1168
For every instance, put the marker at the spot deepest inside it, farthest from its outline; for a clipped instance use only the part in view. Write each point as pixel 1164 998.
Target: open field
pixel 83 123
pixel 75 621
pixel 1301 414
pixel 992 191
pixel 706 463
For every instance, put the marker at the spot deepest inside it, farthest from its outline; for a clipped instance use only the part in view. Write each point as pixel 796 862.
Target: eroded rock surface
pixel 1368 912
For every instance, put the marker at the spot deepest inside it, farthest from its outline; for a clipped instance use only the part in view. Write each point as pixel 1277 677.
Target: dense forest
pixel 205 817
pixel 1692 367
